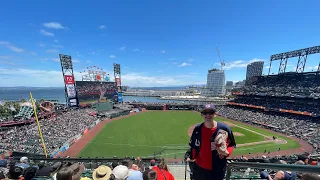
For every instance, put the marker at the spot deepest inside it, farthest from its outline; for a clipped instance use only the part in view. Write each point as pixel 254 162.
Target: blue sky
pixel 157 43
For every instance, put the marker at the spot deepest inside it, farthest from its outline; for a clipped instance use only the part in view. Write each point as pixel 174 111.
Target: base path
pixel 75 149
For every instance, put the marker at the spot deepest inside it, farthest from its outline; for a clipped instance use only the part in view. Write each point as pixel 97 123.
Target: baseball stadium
pixel 168 133
pixel 275 127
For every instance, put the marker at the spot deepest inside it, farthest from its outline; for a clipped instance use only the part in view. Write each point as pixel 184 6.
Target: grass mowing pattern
pixel 153 131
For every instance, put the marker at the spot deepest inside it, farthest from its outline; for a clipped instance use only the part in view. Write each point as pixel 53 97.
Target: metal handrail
pixel 286 167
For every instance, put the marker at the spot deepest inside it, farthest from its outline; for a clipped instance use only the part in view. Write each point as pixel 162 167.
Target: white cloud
pixel 190 60
pixel 33 53
pixel 289 64
pixel 25 77
pixel 6 60
pixel 135 50
pixel 56 59
pixel 75 60
pixel 11 46
pixel 46 33
pixel 53 25
pixel 267 67
pixel 52 51
pixel 53 78
pixel 92 53
pixel 163 51
pixel 56 41
pixel 102 27
pixel 185 64
pixel 57 46
pixel 5 57
pixel 165 63
pixel 138 79
pixel 238 63
pixel 171 59
pixel 42 45
pixel 112 56
pixel 311 68
pixel 255 60
pixel 88 61
pixel 123 48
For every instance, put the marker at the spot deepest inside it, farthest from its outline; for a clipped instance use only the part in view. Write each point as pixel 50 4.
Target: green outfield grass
pixel 154 131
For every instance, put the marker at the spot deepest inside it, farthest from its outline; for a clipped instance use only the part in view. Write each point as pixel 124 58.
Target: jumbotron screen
pixel 90 92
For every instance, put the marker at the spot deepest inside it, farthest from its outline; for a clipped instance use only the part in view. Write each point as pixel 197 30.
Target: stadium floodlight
pixel 301 53
pixel 116 68
pixel 66 61
pixel 69 81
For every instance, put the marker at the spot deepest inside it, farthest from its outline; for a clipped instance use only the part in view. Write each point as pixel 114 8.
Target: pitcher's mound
pixel 237 134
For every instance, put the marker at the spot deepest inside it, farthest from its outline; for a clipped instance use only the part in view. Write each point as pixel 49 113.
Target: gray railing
pixel 286 167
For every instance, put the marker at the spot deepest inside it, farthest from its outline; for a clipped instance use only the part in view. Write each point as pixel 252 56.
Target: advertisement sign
pixel 68 79
pixel 118 81
pixel 90 92
pixel 120 97
pixel 71 90
pixel 73 102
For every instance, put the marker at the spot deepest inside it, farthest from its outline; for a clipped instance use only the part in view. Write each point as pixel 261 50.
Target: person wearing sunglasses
pixel 209 161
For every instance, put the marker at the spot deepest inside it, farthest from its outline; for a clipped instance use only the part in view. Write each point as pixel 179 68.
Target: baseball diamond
pixel 146 133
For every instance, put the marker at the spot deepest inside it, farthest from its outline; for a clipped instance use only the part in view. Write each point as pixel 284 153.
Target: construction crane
pixel 221 61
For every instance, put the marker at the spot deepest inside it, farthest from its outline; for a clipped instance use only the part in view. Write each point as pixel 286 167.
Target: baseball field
pixel 167 134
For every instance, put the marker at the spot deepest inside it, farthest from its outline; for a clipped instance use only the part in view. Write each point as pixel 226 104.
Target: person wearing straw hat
pixel 102 173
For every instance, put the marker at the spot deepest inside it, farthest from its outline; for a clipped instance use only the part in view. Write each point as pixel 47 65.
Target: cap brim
pixel 208 109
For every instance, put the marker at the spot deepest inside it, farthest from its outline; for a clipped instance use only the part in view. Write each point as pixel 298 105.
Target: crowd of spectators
pixel 56 130
pixel 271 174
pixel 125 169
pixel 302 127
pixel 288 84
pixel 301 104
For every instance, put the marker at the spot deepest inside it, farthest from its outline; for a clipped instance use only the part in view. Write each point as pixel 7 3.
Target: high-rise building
pixel 216 80
pixel 254 69
pixel 229 85
pixel 240 84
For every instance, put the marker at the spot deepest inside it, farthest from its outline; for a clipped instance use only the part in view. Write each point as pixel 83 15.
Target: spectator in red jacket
pixel 162 172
